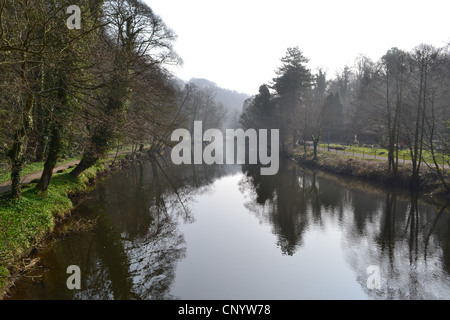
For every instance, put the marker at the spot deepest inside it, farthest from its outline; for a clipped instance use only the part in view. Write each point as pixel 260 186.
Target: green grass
pixel 383 153
pixel 26 221
pixel 352 157
pixel 5 174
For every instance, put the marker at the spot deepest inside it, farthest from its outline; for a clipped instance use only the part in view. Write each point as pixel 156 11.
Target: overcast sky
pixel 239 43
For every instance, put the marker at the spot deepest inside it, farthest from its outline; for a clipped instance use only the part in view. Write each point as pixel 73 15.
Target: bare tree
pixel 137 39
pixel 316 107
pixel 394 76
pixel 24 29
pixel 423 61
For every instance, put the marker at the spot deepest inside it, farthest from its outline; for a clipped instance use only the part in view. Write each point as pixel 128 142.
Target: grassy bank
pixel 26 222
pixel 374 171
pixel 382 153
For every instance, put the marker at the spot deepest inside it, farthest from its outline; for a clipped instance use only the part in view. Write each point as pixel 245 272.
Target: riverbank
pixel 374 171
pixel 27 223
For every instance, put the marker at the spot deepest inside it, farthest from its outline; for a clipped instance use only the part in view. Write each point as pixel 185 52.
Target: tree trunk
pixel 315 151
pixel 315 141
pixel 52 158
pixel 42 126
pixel 16 156
pixel 17 152
pixel 87 161
pixel 16 188
pixel 99 148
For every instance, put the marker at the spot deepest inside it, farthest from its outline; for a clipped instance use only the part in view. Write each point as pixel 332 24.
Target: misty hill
pixel 230 99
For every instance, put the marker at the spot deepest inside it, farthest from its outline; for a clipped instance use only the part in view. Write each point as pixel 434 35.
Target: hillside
pixel 230 99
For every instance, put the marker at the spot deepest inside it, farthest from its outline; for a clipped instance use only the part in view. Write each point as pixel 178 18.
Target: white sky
pixel 238 44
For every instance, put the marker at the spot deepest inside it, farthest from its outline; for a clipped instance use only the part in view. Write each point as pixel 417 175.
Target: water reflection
pixel 315 236
pixel 278 200
pixel 133 251
pixel 408 239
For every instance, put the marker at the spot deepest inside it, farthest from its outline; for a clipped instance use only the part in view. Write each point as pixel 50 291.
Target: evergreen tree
pixel 291 85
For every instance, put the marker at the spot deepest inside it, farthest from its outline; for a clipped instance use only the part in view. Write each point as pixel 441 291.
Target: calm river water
pixel 225 232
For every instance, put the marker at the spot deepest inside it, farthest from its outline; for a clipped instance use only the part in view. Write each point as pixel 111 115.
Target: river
pixel 225 232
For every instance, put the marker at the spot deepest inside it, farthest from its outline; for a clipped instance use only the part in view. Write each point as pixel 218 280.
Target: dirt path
pixel 6 186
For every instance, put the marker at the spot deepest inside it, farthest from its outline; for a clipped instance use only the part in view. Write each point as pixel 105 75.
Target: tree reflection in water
pixel 278 199
pixel 132 252
pixel 151 243
pixel 407 238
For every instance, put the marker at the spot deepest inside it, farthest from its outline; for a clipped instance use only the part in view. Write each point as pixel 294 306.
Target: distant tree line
pixel 400 102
